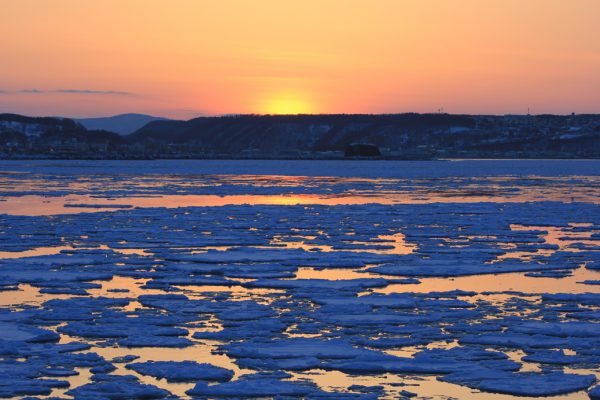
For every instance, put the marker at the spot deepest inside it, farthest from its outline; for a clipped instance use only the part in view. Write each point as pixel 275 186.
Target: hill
pixel 397 135
pixel 55 137
pixel 123 124
pixel 291 134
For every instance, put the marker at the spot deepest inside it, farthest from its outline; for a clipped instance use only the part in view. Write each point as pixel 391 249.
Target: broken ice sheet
pixel 435 295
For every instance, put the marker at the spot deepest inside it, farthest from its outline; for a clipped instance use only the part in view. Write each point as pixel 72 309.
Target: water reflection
pixel 426 387
pixel 381 244
pixel 36 205
pixel 40 251
pixel 501 283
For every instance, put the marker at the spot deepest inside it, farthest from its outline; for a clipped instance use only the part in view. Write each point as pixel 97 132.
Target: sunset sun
pixel 288 105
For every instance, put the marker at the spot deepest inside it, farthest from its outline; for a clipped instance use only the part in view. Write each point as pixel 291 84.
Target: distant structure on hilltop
pixel 396 136
pixel 362 150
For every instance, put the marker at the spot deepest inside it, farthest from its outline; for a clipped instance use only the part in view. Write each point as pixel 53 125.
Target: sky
pixel 185 58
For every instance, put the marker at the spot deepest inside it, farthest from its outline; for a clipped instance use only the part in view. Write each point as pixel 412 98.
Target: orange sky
pixel 183 58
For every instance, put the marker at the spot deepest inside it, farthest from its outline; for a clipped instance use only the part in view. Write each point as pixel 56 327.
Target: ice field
pixel 300 279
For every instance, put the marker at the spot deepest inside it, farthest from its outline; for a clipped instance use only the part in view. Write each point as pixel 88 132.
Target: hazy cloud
pixel 35 91
pixel 90 91
pixel 73 91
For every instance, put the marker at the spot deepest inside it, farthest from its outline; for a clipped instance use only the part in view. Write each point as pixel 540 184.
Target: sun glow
pixel 287 105
pixel 185 58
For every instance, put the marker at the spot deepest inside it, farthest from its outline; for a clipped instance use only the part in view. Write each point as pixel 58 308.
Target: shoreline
pixel 282 158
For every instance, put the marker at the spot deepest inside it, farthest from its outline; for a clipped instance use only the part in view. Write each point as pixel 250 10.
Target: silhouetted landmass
pixel 408 136
pixel 54 137
pixel 123 124
pixel 362 150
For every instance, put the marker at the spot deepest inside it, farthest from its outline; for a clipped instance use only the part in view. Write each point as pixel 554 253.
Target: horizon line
pixel 225 115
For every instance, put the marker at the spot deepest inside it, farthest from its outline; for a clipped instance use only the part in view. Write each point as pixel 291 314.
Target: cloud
pixel 91 91
pixel 34 91
pixel 73 91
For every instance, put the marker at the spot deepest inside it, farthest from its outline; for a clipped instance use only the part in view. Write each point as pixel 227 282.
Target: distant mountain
pixel 123 124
